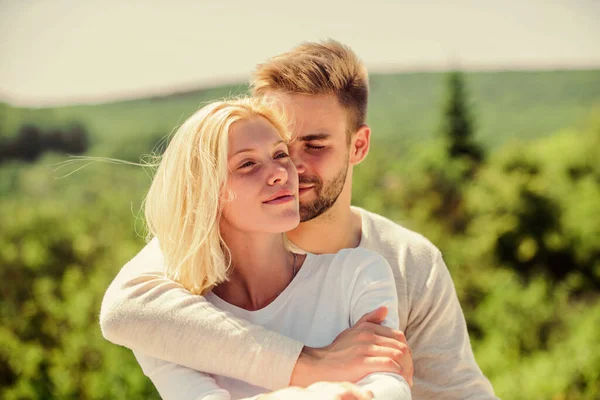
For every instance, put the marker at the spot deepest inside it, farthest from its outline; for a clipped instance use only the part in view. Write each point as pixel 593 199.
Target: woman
pixel 224 193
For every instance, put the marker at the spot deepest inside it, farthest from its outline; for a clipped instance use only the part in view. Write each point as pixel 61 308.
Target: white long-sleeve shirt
pixel 145 311
pixel 329 294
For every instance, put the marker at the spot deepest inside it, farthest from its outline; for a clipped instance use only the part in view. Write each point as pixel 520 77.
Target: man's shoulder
pixel 398 244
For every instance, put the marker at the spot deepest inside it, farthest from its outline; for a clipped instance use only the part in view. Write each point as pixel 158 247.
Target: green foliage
pixel 537 343
pixel 539 206
pixel 57 258
pixel 522 241
pixel 31 141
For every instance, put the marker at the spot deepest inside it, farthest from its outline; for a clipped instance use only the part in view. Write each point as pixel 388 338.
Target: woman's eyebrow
pixel 276 143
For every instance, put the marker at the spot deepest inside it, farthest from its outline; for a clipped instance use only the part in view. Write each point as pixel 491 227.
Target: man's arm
pixel 437 333
pixel 145 311
pixel 176 382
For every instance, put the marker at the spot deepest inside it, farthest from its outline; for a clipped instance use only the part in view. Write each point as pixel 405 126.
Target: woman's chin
pixel 285 222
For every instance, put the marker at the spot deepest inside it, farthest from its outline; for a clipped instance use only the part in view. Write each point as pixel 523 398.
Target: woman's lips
pixel 280 200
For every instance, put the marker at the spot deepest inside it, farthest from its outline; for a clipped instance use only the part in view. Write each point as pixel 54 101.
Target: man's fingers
pixel 376 316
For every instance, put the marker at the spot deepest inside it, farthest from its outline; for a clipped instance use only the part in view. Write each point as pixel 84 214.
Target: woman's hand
pixel 321 391
pixel 358 351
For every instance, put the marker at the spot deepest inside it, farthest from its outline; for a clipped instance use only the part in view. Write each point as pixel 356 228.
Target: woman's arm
pixel 373 286
pixel 145 311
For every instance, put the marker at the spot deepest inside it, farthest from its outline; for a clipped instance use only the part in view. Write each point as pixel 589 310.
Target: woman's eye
pixel 247 164
pixel 282 155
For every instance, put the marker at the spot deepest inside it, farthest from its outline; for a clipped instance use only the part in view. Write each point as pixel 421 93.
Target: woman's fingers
pixel 386 342
pixel 394 334
pixel 400 356
pixel 376 316
pixel 382 364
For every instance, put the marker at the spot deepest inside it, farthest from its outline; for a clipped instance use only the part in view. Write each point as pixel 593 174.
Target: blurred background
pixel 486 139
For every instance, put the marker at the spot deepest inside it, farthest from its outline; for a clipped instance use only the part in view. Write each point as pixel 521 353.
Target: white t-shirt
pixel 330 293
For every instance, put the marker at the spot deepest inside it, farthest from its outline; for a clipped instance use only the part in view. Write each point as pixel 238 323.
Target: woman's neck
pixel 261 268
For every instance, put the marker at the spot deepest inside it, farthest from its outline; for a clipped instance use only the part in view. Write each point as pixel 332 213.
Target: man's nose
pixel 296 156
pixel 278 174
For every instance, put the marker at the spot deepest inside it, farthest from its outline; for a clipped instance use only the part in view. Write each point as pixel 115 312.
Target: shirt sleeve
pixel 173 381
pixel 176 382
pixel 437 334
pixel 374 287
pixel 146 312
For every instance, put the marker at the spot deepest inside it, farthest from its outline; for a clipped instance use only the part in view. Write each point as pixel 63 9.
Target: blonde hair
pixel 312 68
pixel 184 203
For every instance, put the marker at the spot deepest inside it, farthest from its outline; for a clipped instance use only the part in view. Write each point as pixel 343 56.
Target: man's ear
pixel 359 145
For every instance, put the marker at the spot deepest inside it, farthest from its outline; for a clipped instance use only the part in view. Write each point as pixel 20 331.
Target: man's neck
pixel 337 228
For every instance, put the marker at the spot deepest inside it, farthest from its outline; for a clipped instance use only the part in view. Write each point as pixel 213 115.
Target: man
pixel 324 89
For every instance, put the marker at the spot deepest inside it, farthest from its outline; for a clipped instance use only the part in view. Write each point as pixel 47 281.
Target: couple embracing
pixel 262 281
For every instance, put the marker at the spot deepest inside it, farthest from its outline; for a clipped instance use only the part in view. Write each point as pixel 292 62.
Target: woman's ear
pixel 359 145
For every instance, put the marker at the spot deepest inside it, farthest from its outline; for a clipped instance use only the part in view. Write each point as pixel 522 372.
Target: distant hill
pixel 404 109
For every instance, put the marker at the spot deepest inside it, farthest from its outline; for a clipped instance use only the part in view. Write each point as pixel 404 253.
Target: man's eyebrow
pixel 314 136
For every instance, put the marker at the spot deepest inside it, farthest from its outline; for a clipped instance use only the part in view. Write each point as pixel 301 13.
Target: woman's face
pixel 262 179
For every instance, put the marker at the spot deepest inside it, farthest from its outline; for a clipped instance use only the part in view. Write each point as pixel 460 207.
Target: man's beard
pixel 326 195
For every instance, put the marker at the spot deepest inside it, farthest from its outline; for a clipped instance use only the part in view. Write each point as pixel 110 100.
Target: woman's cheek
pixel 293 174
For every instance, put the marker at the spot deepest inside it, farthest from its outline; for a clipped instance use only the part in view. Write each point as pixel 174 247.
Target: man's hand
pixel 321 391
pixel 358 351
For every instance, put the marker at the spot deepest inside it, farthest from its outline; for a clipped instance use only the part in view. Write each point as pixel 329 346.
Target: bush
pixel 57 259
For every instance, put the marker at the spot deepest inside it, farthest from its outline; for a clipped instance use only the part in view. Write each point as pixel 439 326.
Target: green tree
pixel 457 124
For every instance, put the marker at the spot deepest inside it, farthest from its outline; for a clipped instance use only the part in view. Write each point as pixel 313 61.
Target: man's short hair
pixel 328 67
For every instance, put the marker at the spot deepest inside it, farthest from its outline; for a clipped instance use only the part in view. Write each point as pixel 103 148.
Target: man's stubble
pixel 327 194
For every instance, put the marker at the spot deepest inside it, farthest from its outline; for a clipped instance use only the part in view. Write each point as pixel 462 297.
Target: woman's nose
pixel 278 174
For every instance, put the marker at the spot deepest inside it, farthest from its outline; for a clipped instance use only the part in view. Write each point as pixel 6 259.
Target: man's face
pixel 320 149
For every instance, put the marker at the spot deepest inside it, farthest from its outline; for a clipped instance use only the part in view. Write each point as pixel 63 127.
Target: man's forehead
pixel 313 114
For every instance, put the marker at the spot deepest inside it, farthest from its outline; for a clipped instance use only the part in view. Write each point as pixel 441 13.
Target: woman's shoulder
pixel 361 255
pixel 352 261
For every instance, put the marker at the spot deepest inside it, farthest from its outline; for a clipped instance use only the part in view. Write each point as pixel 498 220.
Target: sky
pixel 67 51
